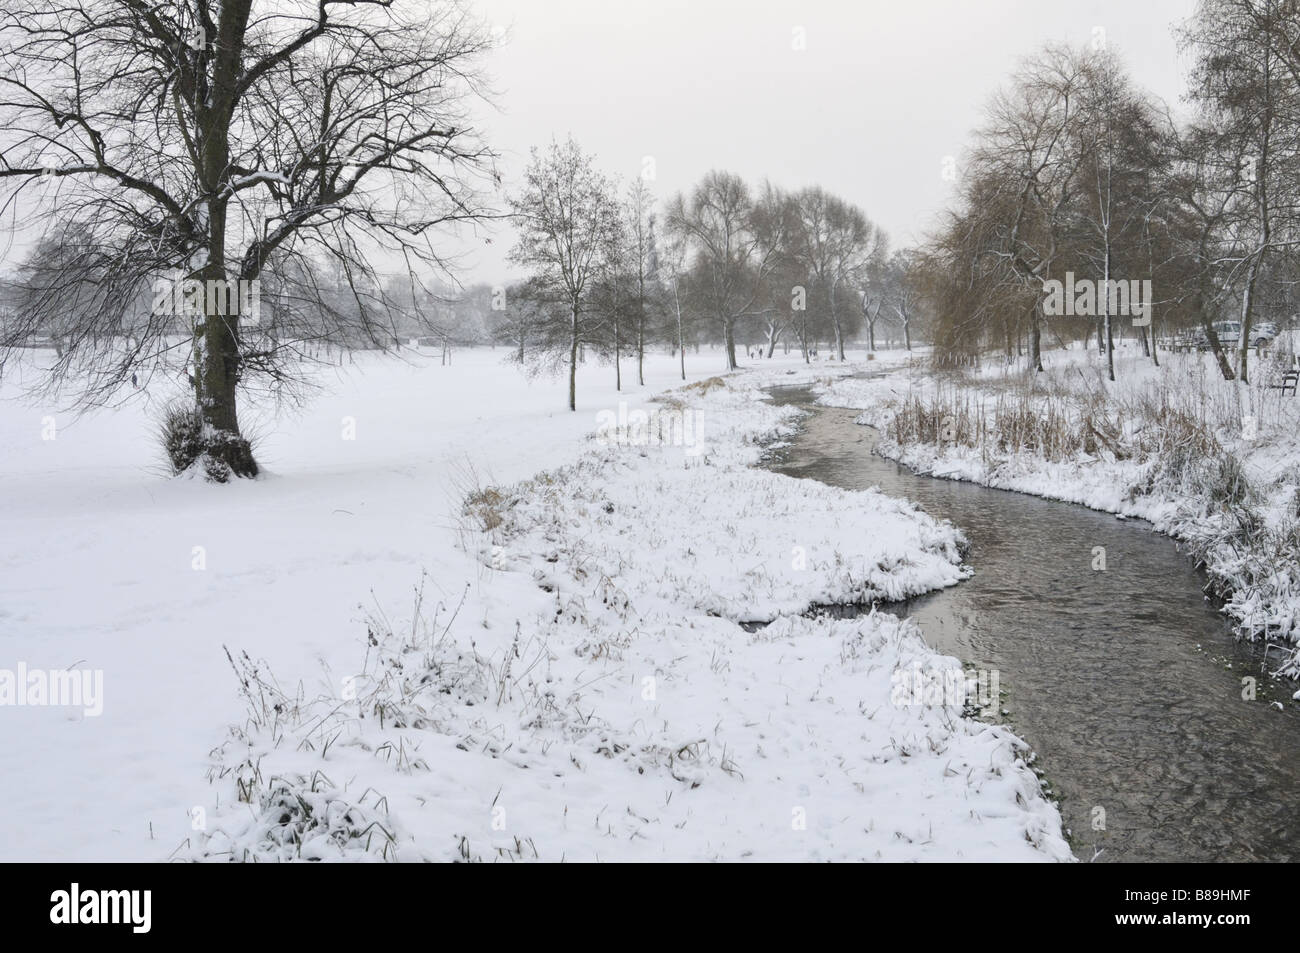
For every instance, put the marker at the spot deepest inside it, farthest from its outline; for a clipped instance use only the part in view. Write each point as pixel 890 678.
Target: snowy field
pixel 557 671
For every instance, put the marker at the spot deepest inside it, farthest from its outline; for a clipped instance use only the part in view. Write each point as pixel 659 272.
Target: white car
pixel 1262 333
pixel 1228 332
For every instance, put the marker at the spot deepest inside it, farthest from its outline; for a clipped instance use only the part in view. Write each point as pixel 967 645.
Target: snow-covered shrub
pixel 484 505
pixel 191 445
pixel 943 418
pixel 295 818
pixel 702 387
pixel 182 435
pixel 289 815
pixel 1043 429
pixel 413 680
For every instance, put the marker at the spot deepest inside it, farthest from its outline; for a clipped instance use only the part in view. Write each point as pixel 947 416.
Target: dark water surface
pixel 1127 683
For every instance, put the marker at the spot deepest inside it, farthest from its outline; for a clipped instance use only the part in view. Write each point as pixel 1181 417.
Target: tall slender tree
pixel 570 227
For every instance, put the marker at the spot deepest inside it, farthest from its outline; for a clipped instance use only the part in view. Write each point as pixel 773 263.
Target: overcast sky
pixel 881 92
pixel 863 97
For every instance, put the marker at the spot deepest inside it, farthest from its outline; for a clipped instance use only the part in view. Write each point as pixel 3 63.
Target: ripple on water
pixel 1126 682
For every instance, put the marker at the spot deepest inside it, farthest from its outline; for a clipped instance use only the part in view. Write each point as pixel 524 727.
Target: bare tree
pixel 672 274
pixel 1247 80
pixel 1117 135
pixel 643 261
pixel 832 240
pixel 873 299
pixel 1023 176
pixel 569 228
pixel 1199 195
pixel 735 243
pixel 903 290
pixel 204 139
pixel 517 319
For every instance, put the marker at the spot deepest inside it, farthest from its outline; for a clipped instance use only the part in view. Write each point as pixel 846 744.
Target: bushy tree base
pixel 192 446
pixel 229 455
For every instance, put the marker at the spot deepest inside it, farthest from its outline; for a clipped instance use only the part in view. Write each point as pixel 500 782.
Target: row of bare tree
pixel 323 152
pixel 609 273
pixel 1078 171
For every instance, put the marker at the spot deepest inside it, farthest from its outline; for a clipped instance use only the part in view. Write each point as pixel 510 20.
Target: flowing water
pixel 1127 683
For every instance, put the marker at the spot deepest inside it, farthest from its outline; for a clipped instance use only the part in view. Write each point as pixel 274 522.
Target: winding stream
pixel 1127 683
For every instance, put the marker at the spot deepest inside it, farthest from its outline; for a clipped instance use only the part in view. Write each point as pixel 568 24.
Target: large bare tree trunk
pixel 217 373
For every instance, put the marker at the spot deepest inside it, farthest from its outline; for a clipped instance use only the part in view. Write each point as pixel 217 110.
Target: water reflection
pixel 1126 682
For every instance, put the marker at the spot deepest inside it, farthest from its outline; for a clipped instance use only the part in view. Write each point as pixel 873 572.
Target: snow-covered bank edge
pixel 1233 506
pixel 591 695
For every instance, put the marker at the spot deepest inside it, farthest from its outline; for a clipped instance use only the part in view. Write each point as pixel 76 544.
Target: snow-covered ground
pixel 1215 464
pixel 556 671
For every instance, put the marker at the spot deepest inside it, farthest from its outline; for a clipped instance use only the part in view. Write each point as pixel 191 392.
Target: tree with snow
pixel 215 142
pixel 570 228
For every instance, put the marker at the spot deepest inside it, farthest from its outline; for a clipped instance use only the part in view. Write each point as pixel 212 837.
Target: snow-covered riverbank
pixel 555 671
pixel 1214 464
